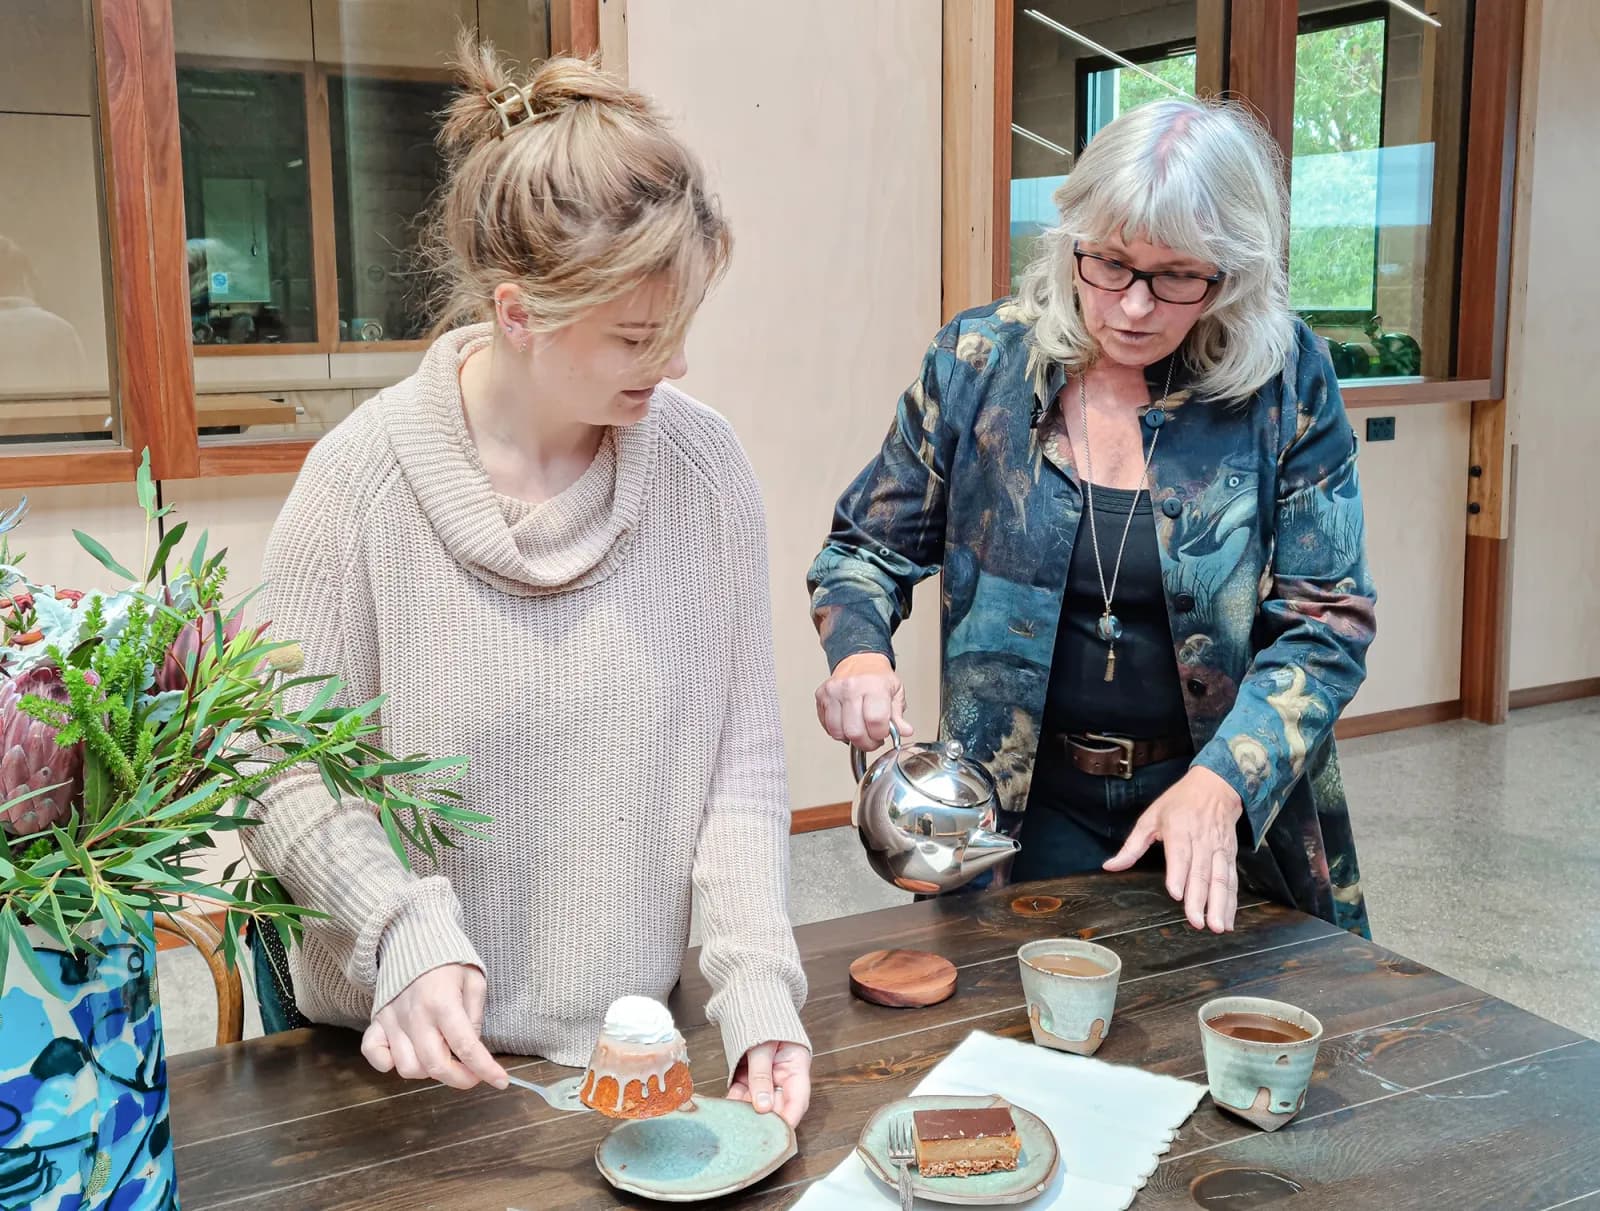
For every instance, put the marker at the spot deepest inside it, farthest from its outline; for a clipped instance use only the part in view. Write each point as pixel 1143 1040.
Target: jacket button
pixel 1155 418
pixel 1196 687
pixel 1184 602
pixel 1172 506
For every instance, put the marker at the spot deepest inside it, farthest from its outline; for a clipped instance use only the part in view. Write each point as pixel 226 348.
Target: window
pixel 1076 66
pixel 247 206
pixel 1106 90
pixel 385 172
pixel 1378 125
pixel 309 164
pixel 208 218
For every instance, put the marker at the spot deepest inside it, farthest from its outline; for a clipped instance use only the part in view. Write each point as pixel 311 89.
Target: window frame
pixel 152 371
pixel 1259 56
pixel 324 226
pixel 1091 64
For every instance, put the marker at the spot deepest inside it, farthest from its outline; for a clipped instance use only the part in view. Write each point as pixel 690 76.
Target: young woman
pixel 554 563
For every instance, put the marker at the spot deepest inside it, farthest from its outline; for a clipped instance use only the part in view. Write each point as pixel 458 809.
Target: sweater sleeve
pixel 386 926
pixel 741 869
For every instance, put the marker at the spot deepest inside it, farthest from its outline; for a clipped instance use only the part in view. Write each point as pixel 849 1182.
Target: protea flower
pixel 196 633
pixel 31 759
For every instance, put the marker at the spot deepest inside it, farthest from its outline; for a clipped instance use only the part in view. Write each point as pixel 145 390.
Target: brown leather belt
pixel 1117 756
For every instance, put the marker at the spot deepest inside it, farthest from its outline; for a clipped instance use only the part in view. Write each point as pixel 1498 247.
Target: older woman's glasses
pixel 1107 273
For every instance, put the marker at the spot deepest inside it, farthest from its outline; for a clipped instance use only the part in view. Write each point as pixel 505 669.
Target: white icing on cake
pixel 639 1020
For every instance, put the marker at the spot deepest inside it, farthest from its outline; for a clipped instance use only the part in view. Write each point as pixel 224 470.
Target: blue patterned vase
pixel 83 1081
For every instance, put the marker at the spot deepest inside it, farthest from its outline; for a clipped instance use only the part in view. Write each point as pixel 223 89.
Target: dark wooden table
pixel 1427 1093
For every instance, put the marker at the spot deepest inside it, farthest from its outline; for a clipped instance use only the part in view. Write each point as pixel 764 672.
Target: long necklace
pixel 1109 628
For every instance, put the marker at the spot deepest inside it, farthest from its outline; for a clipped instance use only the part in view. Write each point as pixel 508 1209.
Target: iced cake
pixel 640 1065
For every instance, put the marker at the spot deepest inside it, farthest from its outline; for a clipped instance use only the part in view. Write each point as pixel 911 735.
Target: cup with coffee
pixel 1259 1057
pixel 1071 987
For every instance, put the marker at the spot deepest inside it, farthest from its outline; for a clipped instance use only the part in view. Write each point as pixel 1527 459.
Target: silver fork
pixel 562 1095
pixel 902 1151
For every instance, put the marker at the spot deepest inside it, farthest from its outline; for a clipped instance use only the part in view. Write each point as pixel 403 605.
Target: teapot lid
pixel 944 773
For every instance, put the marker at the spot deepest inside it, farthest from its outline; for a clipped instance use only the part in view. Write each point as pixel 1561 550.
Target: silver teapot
pixel 925 814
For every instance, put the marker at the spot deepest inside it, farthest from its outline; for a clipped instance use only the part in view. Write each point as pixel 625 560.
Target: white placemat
pixel 1112 1123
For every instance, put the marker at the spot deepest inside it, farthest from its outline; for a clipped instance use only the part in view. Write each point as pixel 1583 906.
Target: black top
pixel 1144 700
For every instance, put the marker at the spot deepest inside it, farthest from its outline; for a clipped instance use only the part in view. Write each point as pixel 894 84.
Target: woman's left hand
pixel 774 1076
pixel 1194 820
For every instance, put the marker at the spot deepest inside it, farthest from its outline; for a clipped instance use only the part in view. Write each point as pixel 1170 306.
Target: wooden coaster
pixel 903 979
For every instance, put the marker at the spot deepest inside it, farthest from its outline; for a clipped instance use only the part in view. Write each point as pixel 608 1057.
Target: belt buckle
pixel 1125 762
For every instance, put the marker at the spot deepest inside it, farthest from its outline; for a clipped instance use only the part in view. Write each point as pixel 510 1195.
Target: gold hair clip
pixel 511 102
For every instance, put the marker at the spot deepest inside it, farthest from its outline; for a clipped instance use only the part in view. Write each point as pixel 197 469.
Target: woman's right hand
pixel 431 1031
pixel 861 699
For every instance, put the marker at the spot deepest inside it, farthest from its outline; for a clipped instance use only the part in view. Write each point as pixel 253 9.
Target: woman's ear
pixel 511 316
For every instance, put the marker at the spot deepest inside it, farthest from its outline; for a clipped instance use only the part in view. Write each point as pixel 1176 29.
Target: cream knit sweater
pixel 604 661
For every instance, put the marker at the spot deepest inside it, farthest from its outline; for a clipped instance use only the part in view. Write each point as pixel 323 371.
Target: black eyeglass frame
pixel 1146 276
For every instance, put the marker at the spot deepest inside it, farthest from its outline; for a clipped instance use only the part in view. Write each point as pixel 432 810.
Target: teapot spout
pixel 984 849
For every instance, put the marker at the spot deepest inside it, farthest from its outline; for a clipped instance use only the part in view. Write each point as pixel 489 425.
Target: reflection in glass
pixel 1075 68
pixel 1378 124
pixel 309 161
pixel 55 381
pixel 247 206
pixel 385 171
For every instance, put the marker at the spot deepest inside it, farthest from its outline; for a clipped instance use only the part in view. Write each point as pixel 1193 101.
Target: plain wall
pixel 826 157
pixel 1550 369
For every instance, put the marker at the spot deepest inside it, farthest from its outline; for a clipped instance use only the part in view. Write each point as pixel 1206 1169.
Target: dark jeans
pixel 1075 821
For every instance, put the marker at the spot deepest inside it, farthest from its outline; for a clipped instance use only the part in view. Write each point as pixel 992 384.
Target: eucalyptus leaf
pixel 22 946
pixel 171 539
pixel 198 559
pixel 102 556
pixel 98 793
pixel 144 484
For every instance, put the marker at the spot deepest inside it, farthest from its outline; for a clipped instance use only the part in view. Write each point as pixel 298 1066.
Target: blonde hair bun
pixel 578 195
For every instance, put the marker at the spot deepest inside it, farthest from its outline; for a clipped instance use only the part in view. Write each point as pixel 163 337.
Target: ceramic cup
pixel 1069 1012
pixel 1264 1083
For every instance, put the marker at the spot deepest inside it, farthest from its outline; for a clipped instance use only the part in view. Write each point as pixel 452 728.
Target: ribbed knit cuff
pixel 758 1013
pixel 424 931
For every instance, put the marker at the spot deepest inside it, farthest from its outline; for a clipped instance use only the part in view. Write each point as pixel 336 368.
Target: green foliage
pixel 1338 109
pixel 176 752
pixel 1134 89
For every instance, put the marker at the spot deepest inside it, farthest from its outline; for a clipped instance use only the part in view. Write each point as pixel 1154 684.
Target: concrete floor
pixel 1480 852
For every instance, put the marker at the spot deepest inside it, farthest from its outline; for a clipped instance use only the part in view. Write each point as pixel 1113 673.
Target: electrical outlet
pixel 1380 428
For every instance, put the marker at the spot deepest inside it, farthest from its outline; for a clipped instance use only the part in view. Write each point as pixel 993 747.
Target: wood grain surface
pixel 1427 1092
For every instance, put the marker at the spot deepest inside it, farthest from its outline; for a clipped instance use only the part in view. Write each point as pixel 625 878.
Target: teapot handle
pixel 858 759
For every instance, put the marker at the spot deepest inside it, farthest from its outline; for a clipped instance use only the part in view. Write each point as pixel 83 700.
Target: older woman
pixel 1139 481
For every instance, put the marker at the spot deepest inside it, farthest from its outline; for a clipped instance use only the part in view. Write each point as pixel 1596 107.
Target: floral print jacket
pixel 1257 509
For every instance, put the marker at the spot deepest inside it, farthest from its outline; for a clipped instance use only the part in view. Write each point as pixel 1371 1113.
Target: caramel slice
pixel 966 1143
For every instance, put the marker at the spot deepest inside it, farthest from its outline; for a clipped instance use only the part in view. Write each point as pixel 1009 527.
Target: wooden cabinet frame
pixel 152 375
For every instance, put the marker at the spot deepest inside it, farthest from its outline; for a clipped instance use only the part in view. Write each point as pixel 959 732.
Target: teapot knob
pixel 953 752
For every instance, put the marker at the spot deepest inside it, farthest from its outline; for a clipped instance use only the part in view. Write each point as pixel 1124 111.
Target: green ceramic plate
pixel 1036 1165
pixel 710 1147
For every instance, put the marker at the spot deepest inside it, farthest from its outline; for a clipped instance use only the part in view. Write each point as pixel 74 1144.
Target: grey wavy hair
pixel 1203 178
